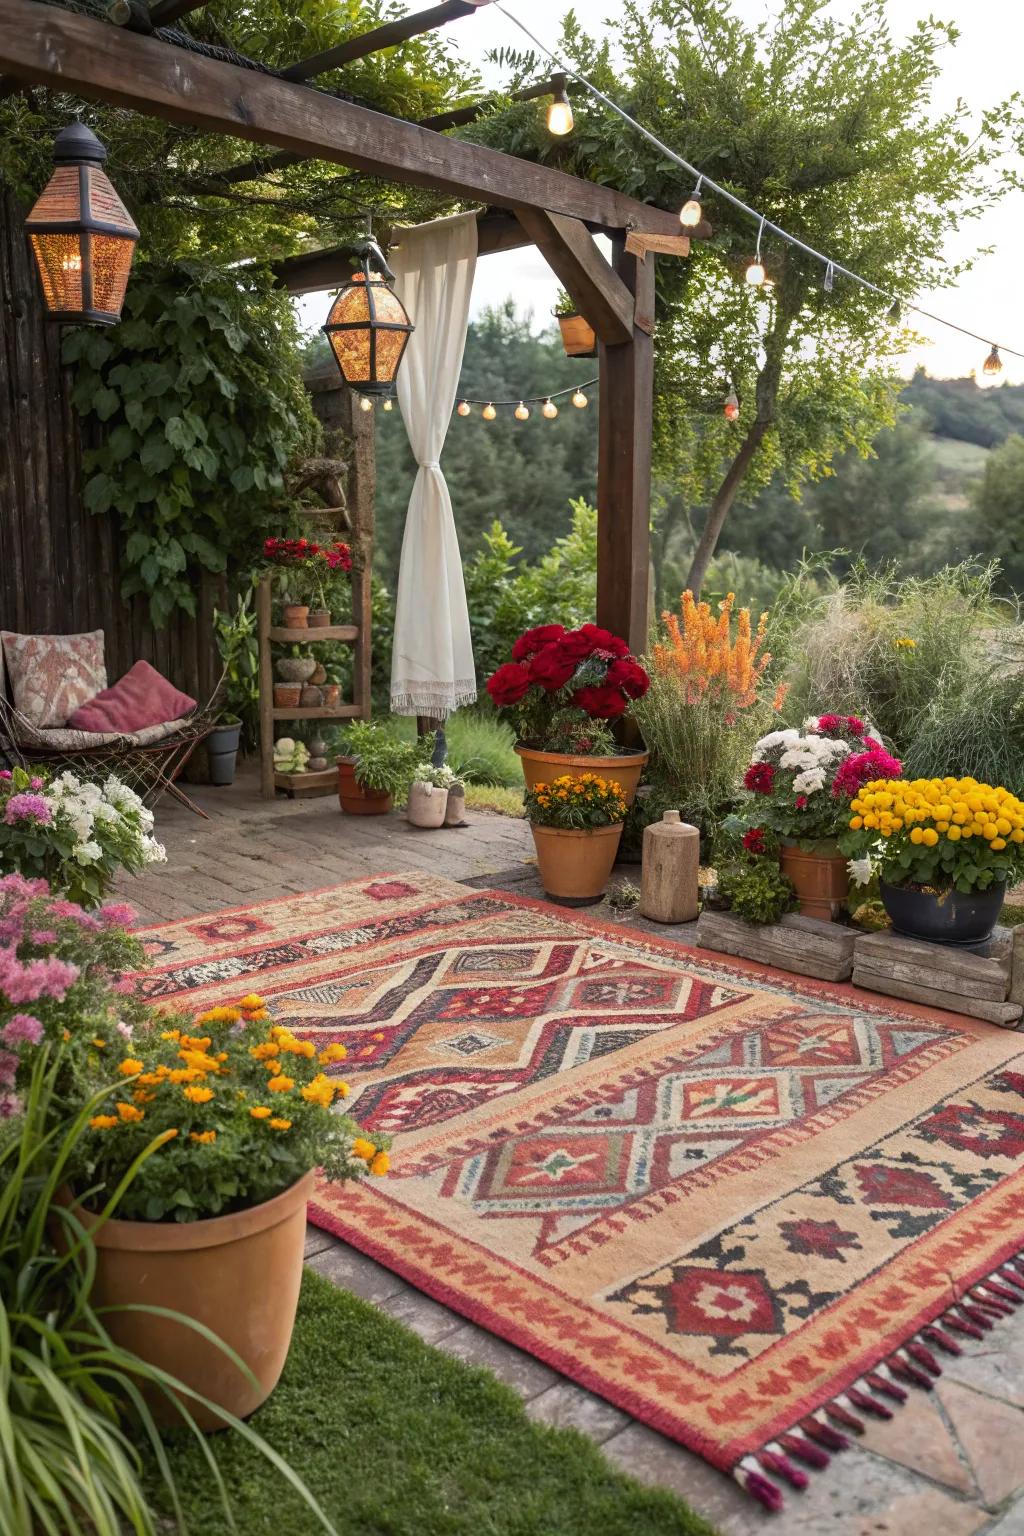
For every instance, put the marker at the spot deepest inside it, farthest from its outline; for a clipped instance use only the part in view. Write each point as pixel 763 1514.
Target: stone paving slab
pixel 949 1464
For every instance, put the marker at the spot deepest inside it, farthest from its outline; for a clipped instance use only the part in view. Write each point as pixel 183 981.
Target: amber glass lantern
pixel 82 237
pixel 368 328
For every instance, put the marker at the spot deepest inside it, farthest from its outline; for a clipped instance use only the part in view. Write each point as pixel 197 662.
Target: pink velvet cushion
pixel 142 697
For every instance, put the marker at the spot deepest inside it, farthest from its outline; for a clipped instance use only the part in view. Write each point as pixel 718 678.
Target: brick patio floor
pixel 951 1461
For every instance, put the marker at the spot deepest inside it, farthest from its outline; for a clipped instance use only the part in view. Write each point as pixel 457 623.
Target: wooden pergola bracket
pixel 569 250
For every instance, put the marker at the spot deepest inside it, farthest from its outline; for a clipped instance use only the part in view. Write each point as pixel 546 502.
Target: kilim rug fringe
pixel 814 1439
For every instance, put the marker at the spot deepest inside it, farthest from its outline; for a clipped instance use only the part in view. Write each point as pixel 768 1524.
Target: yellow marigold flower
pixel 152 1079
pixel 294 1047
pixel 131 1066
pixel 265 1051
pixel 179 1075
pixel 252 1000
pixel 103 1122
pixel 219 1016
pixel 998 843
pixel 260 1112
pixel 363 1149
pixel 203 1137
pixel 929 837
pixel 380 1165
pixel 100 1045
pixel 257 1016
pixel 343 1090
pixel 170 1034
pixel 280 1125
pixel 143 1096
pixel 281 1083
pixel 273 1067
pixel 198 1095
pixel 332 1053
pixel 129 1112
pixel 954 834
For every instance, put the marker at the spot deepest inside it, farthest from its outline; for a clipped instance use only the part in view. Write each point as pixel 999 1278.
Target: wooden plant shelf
pixel 339 712
pixel 314 633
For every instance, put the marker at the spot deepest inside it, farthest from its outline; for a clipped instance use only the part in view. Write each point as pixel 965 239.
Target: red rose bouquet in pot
pixel 313 570
pixel 562 690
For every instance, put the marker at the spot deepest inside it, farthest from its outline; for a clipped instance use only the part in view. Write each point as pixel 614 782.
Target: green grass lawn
pixel 397 1439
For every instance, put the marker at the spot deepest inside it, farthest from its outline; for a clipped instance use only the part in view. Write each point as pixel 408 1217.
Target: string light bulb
pixel 522 411
pixel 755 273
pixel 550 410
pixel 465 409
pixel 365 403
pixel 560 118
pixel 488 413
pixel 389 405
pixel 731 408
pixel 691 213
pixel 993 364
pixel 896 311
pixel 579 400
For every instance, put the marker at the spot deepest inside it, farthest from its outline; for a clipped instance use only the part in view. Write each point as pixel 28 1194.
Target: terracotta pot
pixel 319 618
pixel 287 695
pixel 295 669
pixel 320 675
pixel 311 697
pixel 353 798
pixel 575 866
pixel 332 695
pixel 821 881
pixel 296 616
pixel 239 1275
pixel 427 805
pixel 578 336
pixel 541 767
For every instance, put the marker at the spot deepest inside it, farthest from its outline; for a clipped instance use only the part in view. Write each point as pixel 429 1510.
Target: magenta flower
pixel 10 1105
pixel 860 768
pixel 28 981
pixel 5 773
pixel 117 914
pixel 25 890
pixel 8 1067
pixel 27 807
pixel 22 1029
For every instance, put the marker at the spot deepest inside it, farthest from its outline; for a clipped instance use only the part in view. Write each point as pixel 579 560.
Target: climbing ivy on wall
pixel 195 407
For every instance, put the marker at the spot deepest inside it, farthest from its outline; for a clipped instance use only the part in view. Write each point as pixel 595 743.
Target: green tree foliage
pixel 828 128
pixel 999 505
pixel 197 402
pixel 525 473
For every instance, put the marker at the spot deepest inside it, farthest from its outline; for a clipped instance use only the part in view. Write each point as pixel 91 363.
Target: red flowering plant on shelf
pixel 313 569
pixel 563 688
pixel 801 781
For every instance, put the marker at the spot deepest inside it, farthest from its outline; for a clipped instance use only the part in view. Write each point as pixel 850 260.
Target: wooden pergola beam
pixel 165 11
pixel 69 52
pixel 315 271
pixel 387 36
pixel 569 250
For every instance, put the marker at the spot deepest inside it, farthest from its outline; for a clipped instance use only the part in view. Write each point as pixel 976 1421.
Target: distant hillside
pixel 958 409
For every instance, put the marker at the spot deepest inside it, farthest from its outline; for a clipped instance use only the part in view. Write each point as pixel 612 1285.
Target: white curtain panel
pixel 432 671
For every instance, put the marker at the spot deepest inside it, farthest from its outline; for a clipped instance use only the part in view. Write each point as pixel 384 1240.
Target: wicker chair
pixel 148 761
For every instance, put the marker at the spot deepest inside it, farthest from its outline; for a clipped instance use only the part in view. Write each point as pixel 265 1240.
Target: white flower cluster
pixel 814 757
pixel 107 823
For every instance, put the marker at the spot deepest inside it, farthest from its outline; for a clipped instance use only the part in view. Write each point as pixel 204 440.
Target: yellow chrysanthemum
pixel 281 1083
pixel 363 1149
pixel 129 1112
pixel 332 1053
pixel 198 1095
pixel 280 1125
pixel 260 1112
pixel 104 1122
pixel 205 1138
pixel 380 1164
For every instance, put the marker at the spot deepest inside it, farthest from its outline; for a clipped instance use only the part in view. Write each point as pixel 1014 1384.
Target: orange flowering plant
pixel 576 804
pixel 240 1108
pixel 708 702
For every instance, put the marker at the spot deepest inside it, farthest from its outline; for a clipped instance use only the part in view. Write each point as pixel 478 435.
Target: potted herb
pixel 222 749
pixel 428 795
pixel 562 689
pixel 578 336
pixel 375 768
pixel 944 850
pixel 576 824
pixel 800 784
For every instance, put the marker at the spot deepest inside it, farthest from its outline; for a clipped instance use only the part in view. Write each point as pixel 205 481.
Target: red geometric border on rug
pixel 747 1210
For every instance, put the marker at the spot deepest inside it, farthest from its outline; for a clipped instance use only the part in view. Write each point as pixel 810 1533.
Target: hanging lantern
pixel 731 408
pixel 82 237
pixel 579 400
pixel 522 411
pixel 368 328
pixel 550 410
pixel 993 364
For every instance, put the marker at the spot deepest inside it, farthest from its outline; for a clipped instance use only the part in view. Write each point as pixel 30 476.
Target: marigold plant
pixel 939 833
pixel 576 804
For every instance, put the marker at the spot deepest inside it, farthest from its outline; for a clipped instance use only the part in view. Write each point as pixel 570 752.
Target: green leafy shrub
pixel 756 890
pixel 383 760
pixel 196 398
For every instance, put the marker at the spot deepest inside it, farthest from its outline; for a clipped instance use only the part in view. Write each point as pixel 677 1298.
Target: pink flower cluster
pixel 859 769
pixel 28 981
pixel 27 807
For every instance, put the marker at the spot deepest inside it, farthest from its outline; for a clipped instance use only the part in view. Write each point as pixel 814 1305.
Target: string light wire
pixel 737 202
pixel 551 394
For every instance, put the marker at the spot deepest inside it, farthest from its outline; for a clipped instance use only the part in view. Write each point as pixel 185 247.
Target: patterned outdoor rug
pixel 742 1208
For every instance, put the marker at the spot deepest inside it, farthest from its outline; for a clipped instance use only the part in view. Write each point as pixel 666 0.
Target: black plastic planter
pixel 951 917
pixel 222 749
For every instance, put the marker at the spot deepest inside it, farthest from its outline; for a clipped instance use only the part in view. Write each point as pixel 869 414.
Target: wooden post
pixel 266 689
pixel 624 462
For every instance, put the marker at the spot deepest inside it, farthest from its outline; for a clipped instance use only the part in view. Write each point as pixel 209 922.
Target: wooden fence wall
pixel 59 569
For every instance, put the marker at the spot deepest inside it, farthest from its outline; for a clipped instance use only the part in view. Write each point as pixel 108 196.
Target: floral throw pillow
pixel 53 675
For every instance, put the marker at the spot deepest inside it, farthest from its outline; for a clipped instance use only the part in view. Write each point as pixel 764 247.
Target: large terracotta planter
pixel 821 880
pixel 575 866
pixel 541 767
pixel 943 917
pixel 353 798
pixel 578 336
pixel 239 1275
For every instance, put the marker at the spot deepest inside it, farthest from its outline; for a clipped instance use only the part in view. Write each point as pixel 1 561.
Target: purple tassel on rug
pixel 996 1288
pixel 868 1404
pixel 879 1383
pixel 805 1450
pixel 781 1466
pixel 840 1415
pixel 763 1491
pixel 907 1372
pixel 824 1434
pixel 935 1335
pixel 924 1357
pixel 962 1325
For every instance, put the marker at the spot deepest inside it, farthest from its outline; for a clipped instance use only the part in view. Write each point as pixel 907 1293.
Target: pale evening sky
pixel 983 68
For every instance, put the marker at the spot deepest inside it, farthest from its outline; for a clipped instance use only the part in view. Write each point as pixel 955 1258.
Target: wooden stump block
pixel 804 945
pixel 942 967
pixel 1017 965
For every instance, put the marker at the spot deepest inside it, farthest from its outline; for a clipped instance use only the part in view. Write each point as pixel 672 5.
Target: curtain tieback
pixel 430 464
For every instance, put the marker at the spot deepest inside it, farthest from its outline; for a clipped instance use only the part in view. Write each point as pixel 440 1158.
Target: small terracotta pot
pixel 353 798
pixel 287 695
pixel 239 1275
pixel 296 616
pixel 320 675
pixel 821 881
pixel 541 767
pixel 575 866
pixel 578 336
pixel 319 618
pixel 332 695
pixel 427 805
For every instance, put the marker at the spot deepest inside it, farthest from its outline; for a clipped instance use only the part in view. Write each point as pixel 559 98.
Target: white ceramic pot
pixel 427 805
